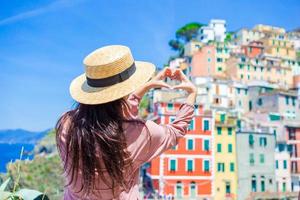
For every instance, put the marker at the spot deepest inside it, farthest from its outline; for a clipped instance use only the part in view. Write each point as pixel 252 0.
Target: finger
pixel 163 84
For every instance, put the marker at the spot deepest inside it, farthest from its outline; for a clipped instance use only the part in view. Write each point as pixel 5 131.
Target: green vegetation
pixel 183 35
pixel 43 173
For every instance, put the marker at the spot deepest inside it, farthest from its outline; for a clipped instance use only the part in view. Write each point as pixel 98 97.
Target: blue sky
pixel 43 43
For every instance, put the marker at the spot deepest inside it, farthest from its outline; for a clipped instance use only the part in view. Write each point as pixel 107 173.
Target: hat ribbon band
pixel 104 82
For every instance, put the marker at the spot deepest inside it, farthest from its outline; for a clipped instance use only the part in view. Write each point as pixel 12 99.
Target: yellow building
pixel 269 29
pixel 244 69
pixel 225 166
pixel 279 47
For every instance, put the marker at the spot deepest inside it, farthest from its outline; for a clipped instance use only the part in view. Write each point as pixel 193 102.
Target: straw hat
pixel 110 73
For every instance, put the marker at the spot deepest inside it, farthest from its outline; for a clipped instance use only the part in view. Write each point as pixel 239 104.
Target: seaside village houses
pixel 244 140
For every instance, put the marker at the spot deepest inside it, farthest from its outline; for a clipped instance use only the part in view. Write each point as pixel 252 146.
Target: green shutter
pixel 170 106
pixel 219 148
pixel 219 130
pixel 206 165
pixel 190 144
pixel 229 131
pixel 229 148
pixel 284 164
pixel 206 125
pixel 251 140
pixel 206 145
pixel 263 188
pixel 190 165
pixel 251 160
pixel 276 164
pixel 222 116
pixel 191 126
pixel 232 167
pixel 173 165
pixel 262 158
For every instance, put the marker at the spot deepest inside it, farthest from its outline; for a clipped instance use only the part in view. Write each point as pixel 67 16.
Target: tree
pixel 176 45
pixel 188 31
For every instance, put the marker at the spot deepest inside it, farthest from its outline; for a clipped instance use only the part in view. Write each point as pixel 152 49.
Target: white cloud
pixel 58 4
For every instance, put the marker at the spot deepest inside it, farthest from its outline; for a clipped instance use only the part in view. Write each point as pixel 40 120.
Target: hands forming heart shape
pixel 176 74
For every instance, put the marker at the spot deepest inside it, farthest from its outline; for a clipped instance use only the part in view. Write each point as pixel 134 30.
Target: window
pixel 190 165
pixel 262 158
pixel 179 190
pixel 294 101
pixel 284 187
pixel 190 144
pixel 208 59
pixel 229 131
pixel 262 141
pixel 250 105
pixel 193 189
pixel 227 189
pixel 219 69
pixel 219 148
pixel 171 118
pixel 232 167
pixel 277 164
pixel 191 125
pixel 253 184
pixel 172 165
pixel 219 60
pixel 206 165
pixel 287 100
pixel 284 164
pixel 174 147
pixel 221 167
pixel 251 160
pixel 206 125
pixel 239 90
pixel 229 148
pixel 222 117
pixel 219 130
pixel 170 106
pixel 251 140
pixel 260 102
pixel 206 145
pixel 262 184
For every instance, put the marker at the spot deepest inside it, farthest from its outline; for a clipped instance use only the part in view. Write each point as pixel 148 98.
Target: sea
pixel 11 152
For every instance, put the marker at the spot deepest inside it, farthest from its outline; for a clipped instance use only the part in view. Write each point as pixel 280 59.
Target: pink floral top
pixel 142 149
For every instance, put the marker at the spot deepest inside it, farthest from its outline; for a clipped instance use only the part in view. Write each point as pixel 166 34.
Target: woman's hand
pixel 156 82
pixel 185 84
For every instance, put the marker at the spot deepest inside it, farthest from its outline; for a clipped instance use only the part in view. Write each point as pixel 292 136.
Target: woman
pixel 102 142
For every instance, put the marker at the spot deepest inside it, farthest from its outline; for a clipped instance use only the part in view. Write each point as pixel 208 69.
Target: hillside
pixel 43 173
pixel 21 136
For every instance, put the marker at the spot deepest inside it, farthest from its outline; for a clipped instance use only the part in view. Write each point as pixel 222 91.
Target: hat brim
pixel 83 93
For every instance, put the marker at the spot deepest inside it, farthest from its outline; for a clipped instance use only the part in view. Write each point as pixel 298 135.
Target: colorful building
pixel 293 139
pixel 191 47
pixel 282 168
pixel 185 171
pixel 225 166
pixel 210 60
pixel 244 69
pixel 253 49
pixel 215 31
pixel 279 48
pixel 245 36
pixel 255 162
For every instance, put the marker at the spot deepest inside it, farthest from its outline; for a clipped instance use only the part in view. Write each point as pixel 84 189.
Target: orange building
pixel 185 171
pixel 210 60
pixel 253 49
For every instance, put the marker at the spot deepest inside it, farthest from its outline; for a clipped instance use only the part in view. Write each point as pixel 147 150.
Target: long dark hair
pixel 93 127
